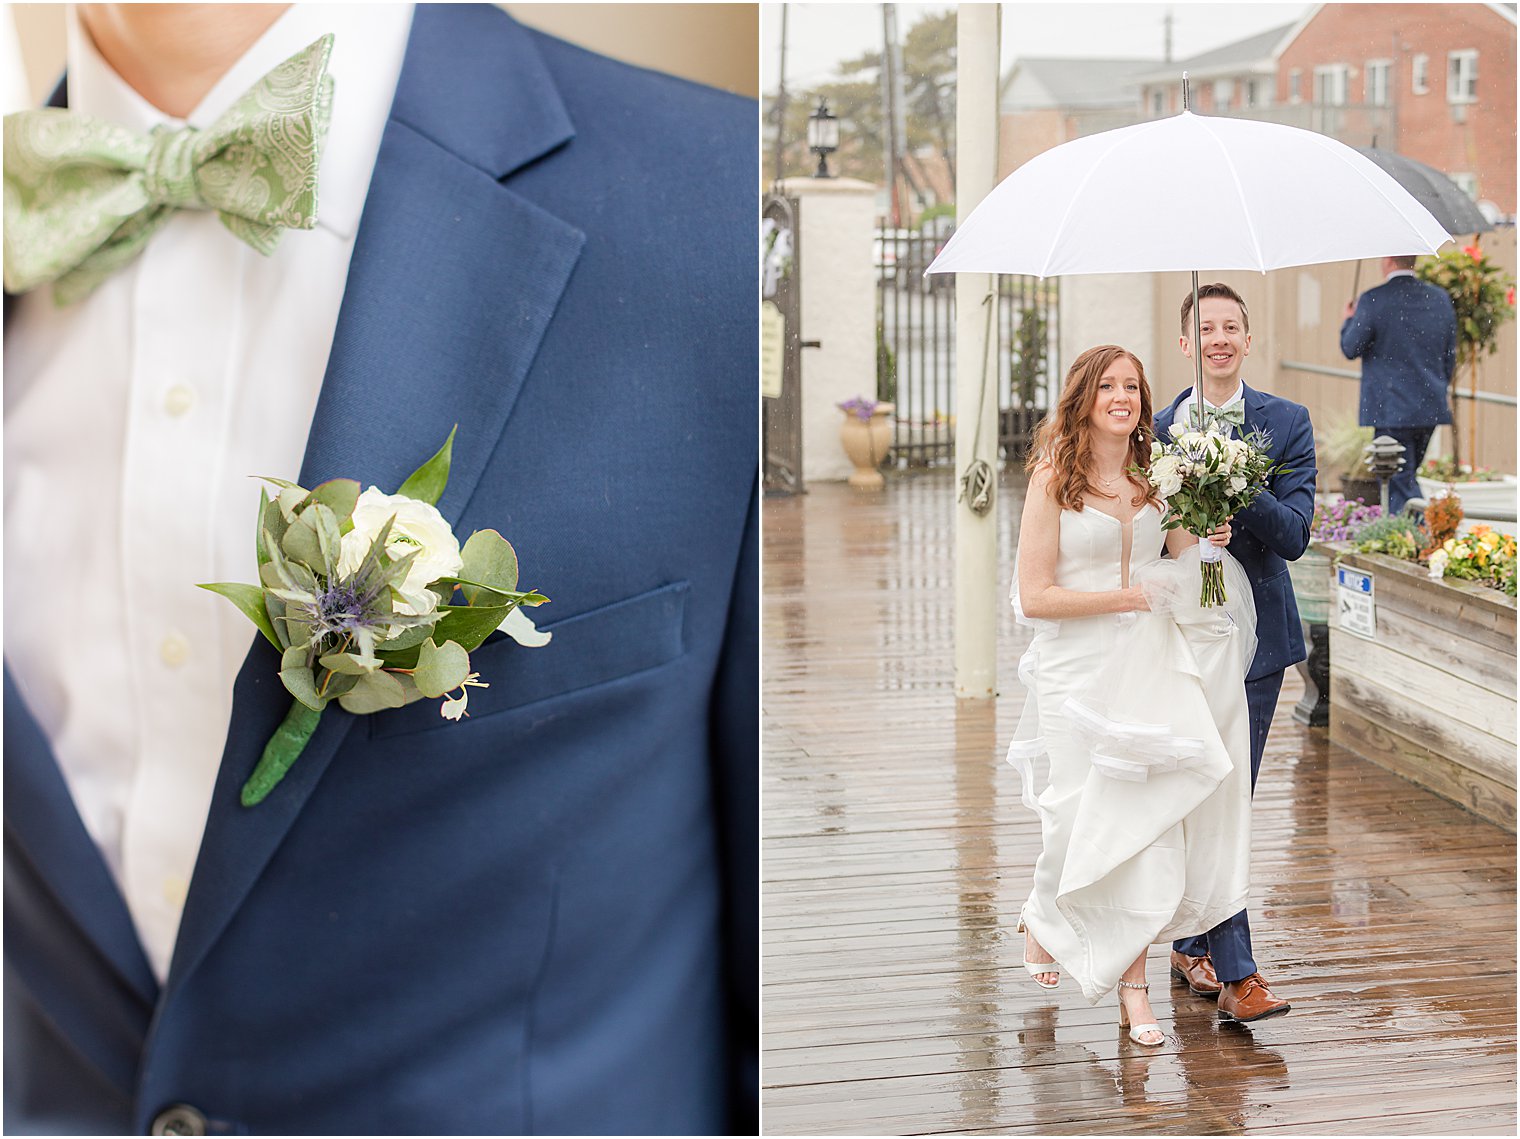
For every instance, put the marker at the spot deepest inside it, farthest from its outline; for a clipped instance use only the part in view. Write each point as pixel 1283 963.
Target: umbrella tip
pixel 1184 91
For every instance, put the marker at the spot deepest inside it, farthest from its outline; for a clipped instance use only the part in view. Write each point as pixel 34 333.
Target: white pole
pixel 977 574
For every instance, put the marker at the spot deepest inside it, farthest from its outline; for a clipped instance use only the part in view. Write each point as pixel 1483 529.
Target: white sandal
pixel 1038 969
pixel 1138 1030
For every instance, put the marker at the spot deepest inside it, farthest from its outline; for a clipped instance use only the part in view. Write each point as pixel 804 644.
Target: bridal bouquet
pixel 357 594
pixel 1206 479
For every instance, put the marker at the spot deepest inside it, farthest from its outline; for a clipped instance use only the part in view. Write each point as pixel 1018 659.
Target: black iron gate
pixel 781 346
pixel 915 350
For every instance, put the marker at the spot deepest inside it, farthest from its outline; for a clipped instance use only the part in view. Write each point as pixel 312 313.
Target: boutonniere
pixel 358 594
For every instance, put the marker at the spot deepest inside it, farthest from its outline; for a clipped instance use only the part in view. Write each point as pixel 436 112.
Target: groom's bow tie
pixel 83 196
pixel 1232 412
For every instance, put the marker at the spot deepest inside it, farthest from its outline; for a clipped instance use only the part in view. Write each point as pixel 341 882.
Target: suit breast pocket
pixel 600 645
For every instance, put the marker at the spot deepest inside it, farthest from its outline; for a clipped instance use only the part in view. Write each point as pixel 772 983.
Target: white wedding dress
pixel 1141 717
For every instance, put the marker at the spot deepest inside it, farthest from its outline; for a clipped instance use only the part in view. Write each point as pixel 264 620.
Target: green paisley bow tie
pixel 1233 412
pixel 83 196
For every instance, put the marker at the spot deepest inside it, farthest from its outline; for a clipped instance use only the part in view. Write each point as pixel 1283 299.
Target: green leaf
pixel 489 561
pixel 427 482
pixel 290 499
pixel 250 599
pixel 282 750
pixel 258 537
pixel 349 664
pixel 302 684
pixel 406 639
pixel 465 625
pixel 374 692
pixel 440 668
pixel 272 527
pixel 339 496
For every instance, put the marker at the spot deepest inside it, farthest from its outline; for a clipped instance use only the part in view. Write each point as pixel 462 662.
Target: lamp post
pixel 823 137
pixel 1384 457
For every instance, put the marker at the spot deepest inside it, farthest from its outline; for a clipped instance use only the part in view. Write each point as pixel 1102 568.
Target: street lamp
pixel 1384 457
pixel 823 137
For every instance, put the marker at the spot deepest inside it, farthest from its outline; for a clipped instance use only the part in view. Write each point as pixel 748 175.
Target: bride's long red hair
pixel 1063 441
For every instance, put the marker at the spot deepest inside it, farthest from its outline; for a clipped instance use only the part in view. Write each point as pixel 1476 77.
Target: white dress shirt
pixel 133 422
pixel 1184 410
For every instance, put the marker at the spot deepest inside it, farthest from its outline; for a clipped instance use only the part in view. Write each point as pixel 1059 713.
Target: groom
pixel 538 919
pixel 1270 532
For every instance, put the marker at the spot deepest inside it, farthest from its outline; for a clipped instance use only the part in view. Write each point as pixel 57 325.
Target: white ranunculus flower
pixel 1237 484
pixel 418 525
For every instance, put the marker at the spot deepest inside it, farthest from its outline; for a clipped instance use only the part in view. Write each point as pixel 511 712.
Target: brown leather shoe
pixel 1249 999
pixel 1197 972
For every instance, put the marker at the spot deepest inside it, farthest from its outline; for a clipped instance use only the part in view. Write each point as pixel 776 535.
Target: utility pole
pixel 976 365
pixel 889 108
pixel 1166 42
pixel 776 172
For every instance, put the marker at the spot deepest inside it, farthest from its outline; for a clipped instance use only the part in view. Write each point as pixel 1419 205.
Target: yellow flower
pixel 1449 544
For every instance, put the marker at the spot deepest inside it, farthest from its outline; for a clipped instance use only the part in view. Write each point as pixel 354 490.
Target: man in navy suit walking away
pixel 1405 332
pixel 1271 532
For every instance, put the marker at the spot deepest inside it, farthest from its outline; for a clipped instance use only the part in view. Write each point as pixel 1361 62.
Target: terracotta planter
pixel 866 443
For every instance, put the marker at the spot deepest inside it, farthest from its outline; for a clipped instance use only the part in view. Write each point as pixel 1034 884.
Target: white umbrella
pixel 1187 191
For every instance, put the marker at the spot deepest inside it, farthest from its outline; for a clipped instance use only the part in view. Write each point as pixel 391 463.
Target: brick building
pixel 1442 76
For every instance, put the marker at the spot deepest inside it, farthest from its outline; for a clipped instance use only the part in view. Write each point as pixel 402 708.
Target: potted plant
pixel 1334 522
pixel 1481 488
pixel 866 435
pixel 1340 450
pixel 1483 296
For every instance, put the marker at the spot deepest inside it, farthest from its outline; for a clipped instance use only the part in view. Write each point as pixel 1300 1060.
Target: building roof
pixel 1242 55
pixel 1038 83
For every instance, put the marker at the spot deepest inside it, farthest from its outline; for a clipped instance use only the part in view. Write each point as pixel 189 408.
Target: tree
pixel 928 52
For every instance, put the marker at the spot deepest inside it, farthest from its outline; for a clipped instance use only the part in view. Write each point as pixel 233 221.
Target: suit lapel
pixel 41 817
pixel 453 281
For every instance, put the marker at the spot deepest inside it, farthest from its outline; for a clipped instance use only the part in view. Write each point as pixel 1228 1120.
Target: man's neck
pixel 1218 391
pixel 173 54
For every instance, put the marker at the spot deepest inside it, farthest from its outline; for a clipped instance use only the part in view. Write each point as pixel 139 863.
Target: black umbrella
pixel 1447 202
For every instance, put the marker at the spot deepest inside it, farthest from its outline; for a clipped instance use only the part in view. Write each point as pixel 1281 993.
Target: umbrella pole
pixel 1197 352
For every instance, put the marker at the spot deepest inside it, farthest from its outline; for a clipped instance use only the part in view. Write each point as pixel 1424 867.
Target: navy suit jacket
pixel 1273 530
pixel 542 918
pixel 1405 332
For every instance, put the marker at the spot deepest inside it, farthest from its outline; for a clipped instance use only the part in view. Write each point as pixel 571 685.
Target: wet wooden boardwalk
pixel 896 855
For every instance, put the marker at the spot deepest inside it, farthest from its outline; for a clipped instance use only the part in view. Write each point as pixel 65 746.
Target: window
pixel 1330 85
pixel 1224 91
pixel 1257 93
pixel 1462 76
pixel 1419 75
pixel 1158 103
pixel 1375 83
pixel 1295 83
pixel 1468 183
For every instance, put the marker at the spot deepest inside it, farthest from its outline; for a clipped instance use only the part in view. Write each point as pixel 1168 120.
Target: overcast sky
pixel 820 35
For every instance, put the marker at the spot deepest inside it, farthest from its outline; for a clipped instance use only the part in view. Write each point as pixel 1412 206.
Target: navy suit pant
pixel 1229 942
pixel 1404 485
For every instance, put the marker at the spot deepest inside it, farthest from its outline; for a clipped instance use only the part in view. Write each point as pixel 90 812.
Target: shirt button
pixel 181 1119
pixel 174 650
pixel 179 399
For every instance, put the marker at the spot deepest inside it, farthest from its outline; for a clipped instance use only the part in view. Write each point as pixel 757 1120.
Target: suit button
pixel 181 1119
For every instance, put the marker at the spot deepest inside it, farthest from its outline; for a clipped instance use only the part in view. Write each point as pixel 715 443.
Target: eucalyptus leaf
pixel 258 531
pixel 272 520
pixel 489 563
pixel 300 543
pixel 281 622
pixel 339 496
pixel 250 599
pixel 291 497
pixel 427 482
pixel 440 668
pixel 349 664
pixel 406 639
pixel 374 692
pixel 302 684
pixel 339 684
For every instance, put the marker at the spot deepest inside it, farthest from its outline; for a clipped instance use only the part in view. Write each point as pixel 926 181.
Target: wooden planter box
pixel 1432 696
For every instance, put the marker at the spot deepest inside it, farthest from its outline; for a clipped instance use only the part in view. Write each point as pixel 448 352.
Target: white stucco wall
pixel 837 220
pixel 1114 308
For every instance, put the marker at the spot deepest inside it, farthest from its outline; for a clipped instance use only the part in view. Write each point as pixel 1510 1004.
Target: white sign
pixel 1355 608
pixel 772 350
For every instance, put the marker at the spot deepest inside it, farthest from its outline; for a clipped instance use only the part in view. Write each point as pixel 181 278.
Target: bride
pixel 1136 702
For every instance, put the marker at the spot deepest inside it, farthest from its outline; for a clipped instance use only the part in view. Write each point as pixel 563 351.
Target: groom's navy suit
pixel 541 918
pixel 1271 532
